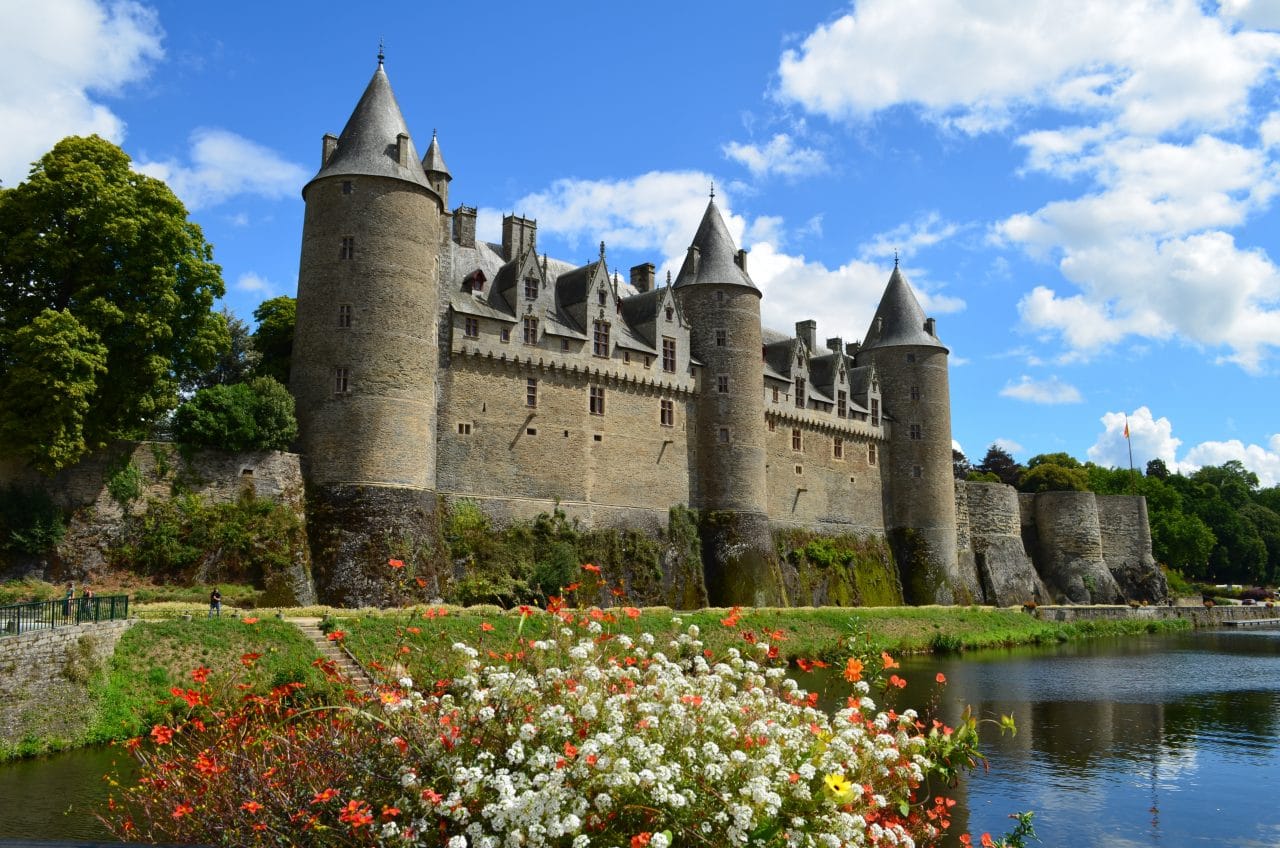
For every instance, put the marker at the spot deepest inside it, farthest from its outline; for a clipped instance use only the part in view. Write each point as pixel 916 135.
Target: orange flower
pixel 987 841
pixel 390 812
pixel 594 569
pixel 249 620
pixel 570 750
pixel 356 814
pixel 486 626
pixel 641 839
pixel 395 563
pixel 182 810
pixel 251 807
pixel 326 795
pixel 895 680
pixel 889 662
pixel 853 670
pixel 422 583
pixel 631 612
pixel 941 678
pixel 966 840
pixel 162 734
pixel 249 659
pixel 336 636
pixel 200 675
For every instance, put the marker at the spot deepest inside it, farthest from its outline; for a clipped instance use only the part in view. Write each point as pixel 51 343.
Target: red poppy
pixel 251 807
pixel 336 636
pixel 249 659
pixel 200 675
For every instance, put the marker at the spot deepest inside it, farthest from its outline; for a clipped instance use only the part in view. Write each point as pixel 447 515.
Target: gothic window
pixel 348 250
pixel 600 343
pixel 531 393
pixel 875 412
pixel 722 338
pixel 341 381
pixel 871 454
pixel 344 315
pixel 530 288
pixel 530 331
pixel 915 393
pixel 915 433
pixel 842 404
pixel 471 328
pixel 667 413
pixel 669 355
pixel 837 447
pixel 800 392
pixel 797 441
pixel 597 400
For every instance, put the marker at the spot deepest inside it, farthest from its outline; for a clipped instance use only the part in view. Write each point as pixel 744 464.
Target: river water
pixel 1170 740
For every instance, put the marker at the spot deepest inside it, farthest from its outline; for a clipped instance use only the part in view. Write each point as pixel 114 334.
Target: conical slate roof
pixel 434 160
pixel 715 256
pixel 367 146
pixel 899 320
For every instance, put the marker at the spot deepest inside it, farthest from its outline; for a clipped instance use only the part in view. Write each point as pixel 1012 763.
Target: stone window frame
pixel 722 384
pixel 775 394
pixel 800 392
pixel 600 338
pixel 344 316
pixel 564 345
pixel 871 453
pixel 530 288
pixel 723 436
pixel 347 249
pixel 669 354
pixel 842 404
pixel 464 428
pixel 837 448
pixel 915 393
pixel 531 392
pixel 915 432
pixel 471 327
pixel 667 412
pixel 722 337
pixel 530 330
pixel 875 412
pixel 797 440
pixel 602 297
pixel 917 472
pixel 595 400
pixel 719 297
pixel 671 311
pixel 341 380
pixel 504 335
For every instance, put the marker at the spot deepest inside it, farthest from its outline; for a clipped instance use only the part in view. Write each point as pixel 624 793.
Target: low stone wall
pixel 1200 616
pixel 44 676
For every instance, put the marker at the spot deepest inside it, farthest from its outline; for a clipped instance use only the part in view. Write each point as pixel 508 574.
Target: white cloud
pixel 1009 446
pixel 223 165
pixel 1262 14
pixel 1269 131
pixel 1050 391
pixel 1152 438
pixel 972 67
pixel 255 283
pixel 780 156
pixel 57 59
pixel 906 239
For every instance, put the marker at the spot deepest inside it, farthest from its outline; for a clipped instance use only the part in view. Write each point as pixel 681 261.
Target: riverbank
pixel 132 689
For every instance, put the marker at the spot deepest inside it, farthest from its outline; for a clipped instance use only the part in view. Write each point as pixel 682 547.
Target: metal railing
pixel 46 615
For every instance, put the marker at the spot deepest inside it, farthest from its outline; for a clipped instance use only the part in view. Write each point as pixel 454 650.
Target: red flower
pixel 336 636
pixel 631 612
pixel 414 630
pixel 570 750
pixel 250 620
pixel 182 810
pixel 941 678
pixel 356 814
pixel 326 795
pixel 987 841
pixel 594 569
pixel 486 626
pixel 251 807
pixel 162 734
pixel 249 659
pixel 431 795
pixel 889 662
pixel 641 839
pixel 390 812
pixel 200 675
pixel 422 583
pixel 395 563
pixel 895 680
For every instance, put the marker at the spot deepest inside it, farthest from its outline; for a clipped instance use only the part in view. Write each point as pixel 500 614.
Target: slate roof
pixel 899 320
pixel 367 145
pixel 434 160
pixel 715 263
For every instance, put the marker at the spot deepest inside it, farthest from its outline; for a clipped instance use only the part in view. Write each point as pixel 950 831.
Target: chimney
pixel 807 332
pixel 519 234
pixel 329 147
pixel 930 327
pixel 402 149
pixel 740 259
pixel 464 226
pixel 643 277
pixel 852 348
pixel 835 345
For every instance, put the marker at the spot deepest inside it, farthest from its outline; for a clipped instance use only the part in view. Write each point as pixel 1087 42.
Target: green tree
pixel 999 462
pixel 1156 468
pixel 274 337
pixel 1051 477
pixel 1062 459
pixel 961 468
pixel 48 380
pixel 237 364
pixel 88 236
pixel 257 415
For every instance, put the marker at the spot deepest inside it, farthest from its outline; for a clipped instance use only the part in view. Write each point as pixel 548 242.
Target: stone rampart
pixel 44 676
pixel 1126 545
pixel 1070 555
pixel 995 527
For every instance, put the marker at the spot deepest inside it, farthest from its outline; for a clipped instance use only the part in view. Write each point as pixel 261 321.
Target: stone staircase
pixel 352 670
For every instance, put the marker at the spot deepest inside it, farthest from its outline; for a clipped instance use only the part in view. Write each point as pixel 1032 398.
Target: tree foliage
pixel 1001 463
pixel 257 415
pixel 111 250
pixel 961 468
pixel 237 364
pixel 274 337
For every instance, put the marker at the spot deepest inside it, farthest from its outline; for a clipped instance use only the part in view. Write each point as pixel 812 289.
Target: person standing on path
pixel 215 603
pixel 66 601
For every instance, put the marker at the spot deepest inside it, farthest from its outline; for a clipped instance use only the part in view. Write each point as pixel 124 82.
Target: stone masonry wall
pixel 43 677
pixel 1007 573
pixel 1126 545
pixel 1070 555
pixel 836 494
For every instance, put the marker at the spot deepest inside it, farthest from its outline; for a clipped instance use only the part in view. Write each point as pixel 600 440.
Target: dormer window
pixel 601 296
pixel 530 288
pixel 800 392
pixel 670 312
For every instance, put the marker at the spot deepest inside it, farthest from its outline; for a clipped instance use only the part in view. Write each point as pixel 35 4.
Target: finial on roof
pixel 433 132
pixel 713 189
pixel 895 258
pixel 381 53
pixel 668 278
pixel 602 249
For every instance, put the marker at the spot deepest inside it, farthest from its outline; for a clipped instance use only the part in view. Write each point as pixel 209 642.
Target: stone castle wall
pixel 812 487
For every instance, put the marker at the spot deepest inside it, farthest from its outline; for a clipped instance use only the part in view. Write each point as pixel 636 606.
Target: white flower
pixel 457 842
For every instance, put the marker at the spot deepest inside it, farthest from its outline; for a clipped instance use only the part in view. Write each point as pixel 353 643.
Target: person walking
pixel 215 603
pixel 66 601
pixel 87 610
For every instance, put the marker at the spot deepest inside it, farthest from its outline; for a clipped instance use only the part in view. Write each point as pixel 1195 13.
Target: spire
pixel 711 255
pixel 899 320
pixel 375 142
pixel 433 162
pixel 381 54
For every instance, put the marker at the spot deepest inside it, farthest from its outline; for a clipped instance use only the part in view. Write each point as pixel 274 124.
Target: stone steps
pixel 350 669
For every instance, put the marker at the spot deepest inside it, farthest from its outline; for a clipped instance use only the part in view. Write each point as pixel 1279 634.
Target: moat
pixel 1161 740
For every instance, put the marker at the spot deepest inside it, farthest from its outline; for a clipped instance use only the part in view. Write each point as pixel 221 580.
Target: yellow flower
pixel 838 788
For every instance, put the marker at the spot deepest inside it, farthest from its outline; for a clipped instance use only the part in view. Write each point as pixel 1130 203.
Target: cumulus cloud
pixel 1050 391
pixel 1009 446
pixel 58 60
pixel 910 237
pixel 255 283
pixel 222 165
pixel 780 156
pixel 1152 438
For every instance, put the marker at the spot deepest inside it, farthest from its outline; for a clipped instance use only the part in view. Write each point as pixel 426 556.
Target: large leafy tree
pixel 257 415
pixel 237 364
pixel 89 238
pixel 1001 463
pixel 274 336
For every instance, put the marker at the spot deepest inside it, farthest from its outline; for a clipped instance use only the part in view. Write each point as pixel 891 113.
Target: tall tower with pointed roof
pixel 919 488
pixel 722 306
pixel 365 348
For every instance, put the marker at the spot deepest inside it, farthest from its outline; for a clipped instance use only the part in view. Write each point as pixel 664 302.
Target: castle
pixel 430 365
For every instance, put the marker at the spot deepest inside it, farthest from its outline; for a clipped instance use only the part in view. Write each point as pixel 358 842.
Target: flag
pixel 1126 427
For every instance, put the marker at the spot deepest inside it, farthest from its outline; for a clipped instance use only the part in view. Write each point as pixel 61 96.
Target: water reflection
pixel 56 797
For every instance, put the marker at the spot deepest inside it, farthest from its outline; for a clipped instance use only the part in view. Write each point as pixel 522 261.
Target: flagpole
pixel 1133 483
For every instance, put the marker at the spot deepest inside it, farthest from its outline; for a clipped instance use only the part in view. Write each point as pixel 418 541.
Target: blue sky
pixel 1084 195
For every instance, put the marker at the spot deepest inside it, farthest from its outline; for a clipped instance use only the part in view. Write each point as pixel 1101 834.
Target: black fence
pixel 45 615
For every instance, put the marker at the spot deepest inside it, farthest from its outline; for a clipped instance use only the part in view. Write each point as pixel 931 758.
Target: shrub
pixel 30 522
pixel 257 415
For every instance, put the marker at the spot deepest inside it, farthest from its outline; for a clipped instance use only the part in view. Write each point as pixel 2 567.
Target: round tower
pixel 722 307
pixel 917 478
pixel 365 346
